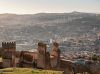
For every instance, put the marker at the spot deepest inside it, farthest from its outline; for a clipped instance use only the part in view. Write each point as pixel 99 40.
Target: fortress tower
pixel 41 55
pixel 43 61
pixel 8 53
pixel 55 55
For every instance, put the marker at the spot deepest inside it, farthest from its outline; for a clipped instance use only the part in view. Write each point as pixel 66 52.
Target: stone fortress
pixel 41 59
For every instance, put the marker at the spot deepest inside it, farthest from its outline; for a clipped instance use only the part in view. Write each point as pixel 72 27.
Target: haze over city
pixel 48 6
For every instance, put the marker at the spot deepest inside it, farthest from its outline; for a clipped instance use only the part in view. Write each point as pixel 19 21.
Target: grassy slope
pixel 27 71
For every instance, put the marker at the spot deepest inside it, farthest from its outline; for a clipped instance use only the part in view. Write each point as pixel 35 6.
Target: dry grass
pixel 27 71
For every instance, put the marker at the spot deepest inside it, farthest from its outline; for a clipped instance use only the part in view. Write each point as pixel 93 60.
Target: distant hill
pixel 26 29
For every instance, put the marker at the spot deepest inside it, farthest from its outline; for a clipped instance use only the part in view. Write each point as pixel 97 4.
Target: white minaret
pixel 51 40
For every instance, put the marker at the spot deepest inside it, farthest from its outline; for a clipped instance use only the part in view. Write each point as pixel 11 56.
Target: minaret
pixel 55 55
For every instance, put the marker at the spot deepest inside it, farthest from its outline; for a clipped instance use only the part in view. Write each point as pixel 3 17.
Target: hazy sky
pixel 54 6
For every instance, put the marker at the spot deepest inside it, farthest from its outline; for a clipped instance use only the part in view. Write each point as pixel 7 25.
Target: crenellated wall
pixel 9 46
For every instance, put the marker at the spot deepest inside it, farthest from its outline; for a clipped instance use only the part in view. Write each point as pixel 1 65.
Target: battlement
pixel 9 46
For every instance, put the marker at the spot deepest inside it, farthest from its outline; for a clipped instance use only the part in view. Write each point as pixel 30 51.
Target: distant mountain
pixel 26 29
